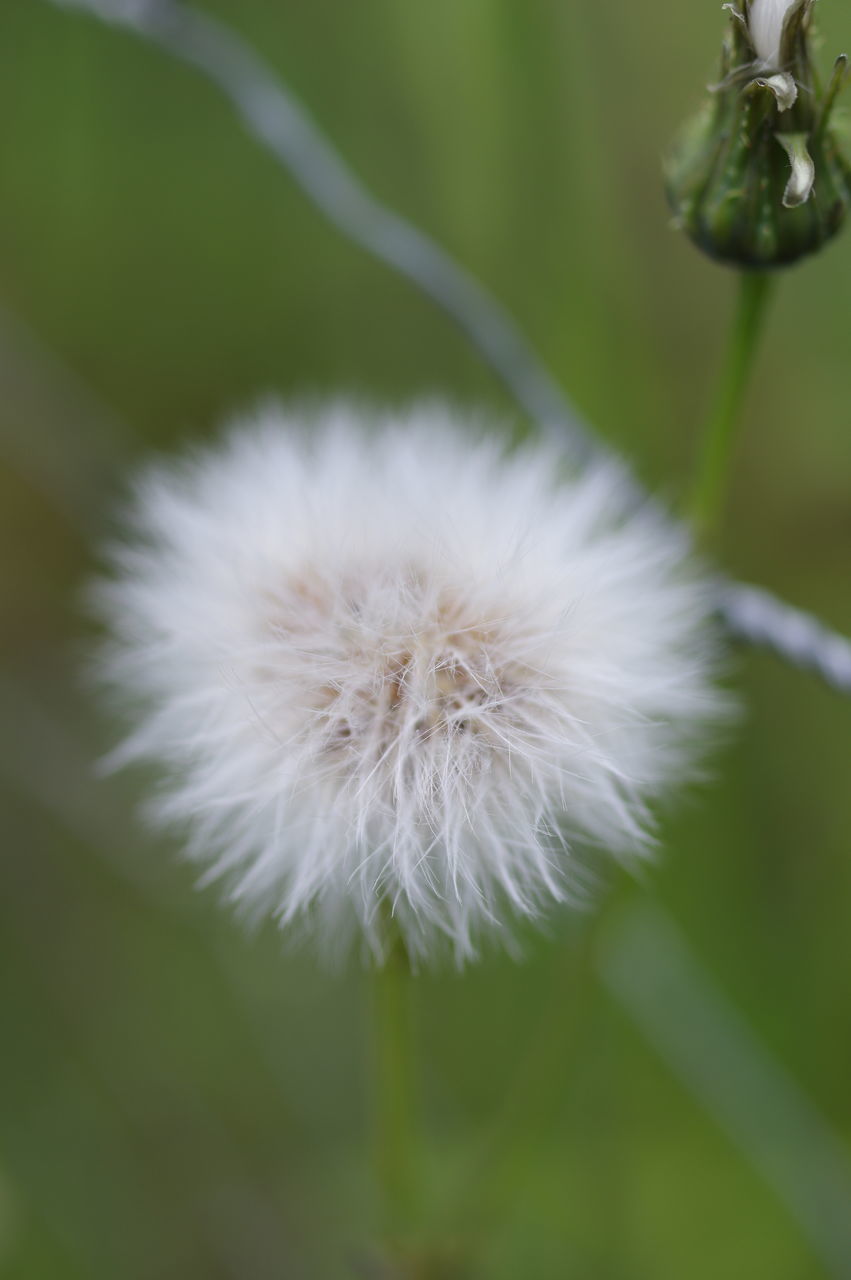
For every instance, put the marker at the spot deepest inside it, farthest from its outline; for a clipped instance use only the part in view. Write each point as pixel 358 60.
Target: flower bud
pixel 757 179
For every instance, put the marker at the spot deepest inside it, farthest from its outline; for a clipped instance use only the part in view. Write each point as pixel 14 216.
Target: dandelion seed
pixel 390 666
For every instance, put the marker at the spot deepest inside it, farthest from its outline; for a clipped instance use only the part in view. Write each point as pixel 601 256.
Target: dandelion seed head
pixel 388 667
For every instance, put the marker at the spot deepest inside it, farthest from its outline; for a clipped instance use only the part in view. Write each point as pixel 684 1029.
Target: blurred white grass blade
pixel 647 964
pixel 273 116
pixel 760 619
pixel 129 12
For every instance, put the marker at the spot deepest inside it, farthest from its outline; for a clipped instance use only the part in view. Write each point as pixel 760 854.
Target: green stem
pixel 394 1101
pixel 710 482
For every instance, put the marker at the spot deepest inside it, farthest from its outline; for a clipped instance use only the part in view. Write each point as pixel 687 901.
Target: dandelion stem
pixel 394 1101
pixel 717 443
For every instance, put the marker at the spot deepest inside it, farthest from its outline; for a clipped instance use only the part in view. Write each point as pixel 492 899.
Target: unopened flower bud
pixel 757 179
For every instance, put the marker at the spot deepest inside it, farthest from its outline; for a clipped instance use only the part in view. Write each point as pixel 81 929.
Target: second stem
pixel 755 289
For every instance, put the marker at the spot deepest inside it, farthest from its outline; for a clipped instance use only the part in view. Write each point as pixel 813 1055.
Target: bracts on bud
pixel 757 179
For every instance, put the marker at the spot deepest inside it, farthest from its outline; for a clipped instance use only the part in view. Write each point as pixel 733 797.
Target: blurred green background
pixel 178 1099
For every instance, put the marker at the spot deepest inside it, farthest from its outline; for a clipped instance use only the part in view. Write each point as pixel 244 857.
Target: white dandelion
pixel 391 668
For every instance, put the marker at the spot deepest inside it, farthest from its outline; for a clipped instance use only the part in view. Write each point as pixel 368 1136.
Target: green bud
pixel 757 179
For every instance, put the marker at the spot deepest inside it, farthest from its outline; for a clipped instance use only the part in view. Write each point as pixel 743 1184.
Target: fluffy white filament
pixel 388 667
pixel 765 22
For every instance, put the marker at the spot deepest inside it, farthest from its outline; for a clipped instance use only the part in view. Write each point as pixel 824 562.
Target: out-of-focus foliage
pixel 178 1100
